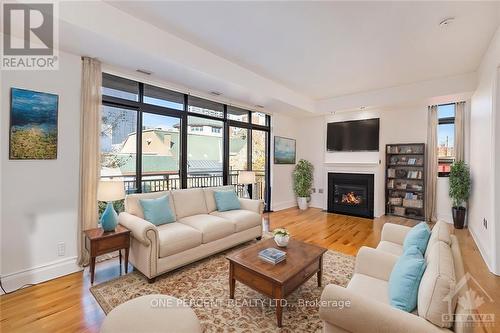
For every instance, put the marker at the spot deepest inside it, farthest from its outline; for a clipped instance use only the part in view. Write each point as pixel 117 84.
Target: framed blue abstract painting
pixel 33 125
pixel 284 150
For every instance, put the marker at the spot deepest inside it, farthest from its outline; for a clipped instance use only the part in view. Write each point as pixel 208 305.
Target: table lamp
pixel 246 178
pixel 109 191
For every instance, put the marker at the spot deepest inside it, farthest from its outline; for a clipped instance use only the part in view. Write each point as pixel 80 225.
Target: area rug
pixel 204 285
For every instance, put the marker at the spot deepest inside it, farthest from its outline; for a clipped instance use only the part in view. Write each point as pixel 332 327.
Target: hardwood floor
pixel 66 304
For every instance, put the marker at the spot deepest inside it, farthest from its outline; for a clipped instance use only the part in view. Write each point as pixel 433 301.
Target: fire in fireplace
pixel 351 199
pixel 351 194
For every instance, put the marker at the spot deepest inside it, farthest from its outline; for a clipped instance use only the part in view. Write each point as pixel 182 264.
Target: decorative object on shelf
pixel 246 178
pixel 281 237
pixel 109 191
pixel 33 125
pixel 284 150
pixel 405 183
pixel 459 192
pixel 302 183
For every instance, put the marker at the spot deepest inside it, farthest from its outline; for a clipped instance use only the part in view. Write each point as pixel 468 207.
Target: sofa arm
pixel 141 229
pixel 375 263
pixel 394 233
pixel 253 205
pixel 360 313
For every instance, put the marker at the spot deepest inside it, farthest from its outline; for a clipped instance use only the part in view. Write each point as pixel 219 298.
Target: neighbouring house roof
pixel 204 166
pixel 198 121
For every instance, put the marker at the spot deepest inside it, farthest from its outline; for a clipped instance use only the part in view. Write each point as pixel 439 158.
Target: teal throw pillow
pixel 418 236
pixel 226 200
pixel 405 280
pixel 157 211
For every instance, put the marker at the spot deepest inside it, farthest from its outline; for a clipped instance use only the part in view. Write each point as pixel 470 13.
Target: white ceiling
pixel 328 49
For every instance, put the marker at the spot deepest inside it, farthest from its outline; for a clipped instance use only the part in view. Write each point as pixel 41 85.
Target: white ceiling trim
pixel 459 86
pixel 105 22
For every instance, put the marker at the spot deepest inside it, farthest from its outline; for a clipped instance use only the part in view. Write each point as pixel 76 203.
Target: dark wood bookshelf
pixel 405 167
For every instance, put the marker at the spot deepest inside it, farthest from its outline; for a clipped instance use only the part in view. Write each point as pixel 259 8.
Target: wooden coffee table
pixel 275 281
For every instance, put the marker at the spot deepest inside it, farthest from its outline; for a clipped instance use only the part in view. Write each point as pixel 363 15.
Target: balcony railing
pixel 166 182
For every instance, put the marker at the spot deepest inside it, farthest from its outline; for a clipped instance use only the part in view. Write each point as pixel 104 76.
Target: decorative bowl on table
pixel 281 237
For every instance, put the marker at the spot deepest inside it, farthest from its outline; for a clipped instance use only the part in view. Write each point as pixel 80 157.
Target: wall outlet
pixel 61 249
pixel 485 223
pixel 320 190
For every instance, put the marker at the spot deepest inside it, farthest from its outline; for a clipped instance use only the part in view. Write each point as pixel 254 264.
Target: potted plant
pixel 459 192
pixel 281 237
pixel 302 182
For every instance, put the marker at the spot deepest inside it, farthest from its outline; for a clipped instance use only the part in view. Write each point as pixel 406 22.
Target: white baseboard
pixel 42 273
pixel 482 251
pixel 284 205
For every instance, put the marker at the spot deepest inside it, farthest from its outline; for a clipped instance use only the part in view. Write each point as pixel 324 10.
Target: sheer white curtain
pixel 432 163
pixel 90 129
pixel 459 131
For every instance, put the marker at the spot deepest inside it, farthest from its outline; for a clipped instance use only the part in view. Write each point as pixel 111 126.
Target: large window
pixel 157 139
pixel 205 152
pixel 160 152
pixel 118 146
pixel 446 138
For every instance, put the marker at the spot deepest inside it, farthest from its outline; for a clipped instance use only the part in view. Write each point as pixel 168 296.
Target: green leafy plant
pixel 281 231
pixel 459 183
pixel 303 178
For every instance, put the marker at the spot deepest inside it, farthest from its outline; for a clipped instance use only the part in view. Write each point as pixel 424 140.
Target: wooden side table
pixel 99 242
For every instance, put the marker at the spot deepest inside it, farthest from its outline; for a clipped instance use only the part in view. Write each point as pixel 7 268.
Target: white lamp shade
pixel 110 190
pixel 246 177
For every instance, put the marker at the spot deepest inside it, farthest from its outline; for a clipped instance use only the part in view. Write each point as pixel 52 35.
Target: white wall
pixel 484 118
pixel 404 124
pixel 40 198
pixel 282 195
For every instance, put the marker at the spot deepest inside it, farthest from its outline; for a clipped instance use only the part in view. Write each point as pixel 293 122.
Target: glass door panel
pixel 259 159
pixel 160 152
pixel 204 152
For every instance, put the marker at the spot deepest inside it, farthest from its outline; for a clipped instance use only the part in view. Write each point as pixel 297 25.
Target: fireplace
pixel 350 194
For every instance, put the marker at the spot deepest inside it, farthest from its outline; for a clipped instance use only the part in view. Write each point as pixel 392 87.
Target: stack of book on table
pixel 272 255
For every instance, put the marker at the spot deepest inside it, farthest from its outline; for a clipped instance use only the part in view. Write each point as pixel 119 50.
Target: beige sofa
pixel 199 230
pixel 370 309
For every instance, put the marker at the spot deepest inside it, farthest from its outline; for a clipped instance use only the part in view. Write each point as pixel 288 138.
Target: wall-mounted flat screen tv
pixel 355 135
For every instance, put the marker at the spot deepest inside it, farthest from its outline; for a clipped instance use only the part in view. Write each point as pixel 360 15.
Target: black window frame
pixel 445 121
pixel 141 107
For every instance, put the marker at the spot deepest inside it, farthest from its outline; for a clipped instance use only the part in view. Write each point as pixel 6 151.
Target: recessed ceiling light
pixel 143 71
pixel 215 93
pixel 446 22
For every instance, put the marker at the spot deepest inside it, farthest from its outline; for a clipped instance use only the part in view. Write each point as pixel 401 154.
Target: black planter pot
pixel 458 216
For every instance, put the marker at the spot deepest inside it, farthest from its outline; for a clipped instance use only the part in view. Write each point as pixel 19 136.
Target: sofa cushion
pixel 177 237
pixel 242 219
pixel 212 227
pixel 418 236
pixel 370 287
pixel 440 232
pixel 133 206
pixel 390 247
pixel 436 293
pixel 405 279
pixel 157 211
pixel 189 202
pixel 226 200
pixel 209 196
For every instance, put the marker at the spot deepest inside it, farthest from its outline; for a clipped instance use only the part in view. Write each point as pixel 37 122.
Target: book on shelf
pixel 272 255
pixel 391 173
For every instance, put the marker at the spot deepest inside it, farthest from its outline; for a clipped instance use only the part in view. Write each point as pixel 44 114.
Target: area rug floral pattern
pixel 204 285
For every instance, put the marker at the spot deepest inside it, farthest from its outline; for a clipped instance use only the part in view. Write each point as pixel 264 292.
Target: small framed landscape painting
pixel 284 150
pixel 33 125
